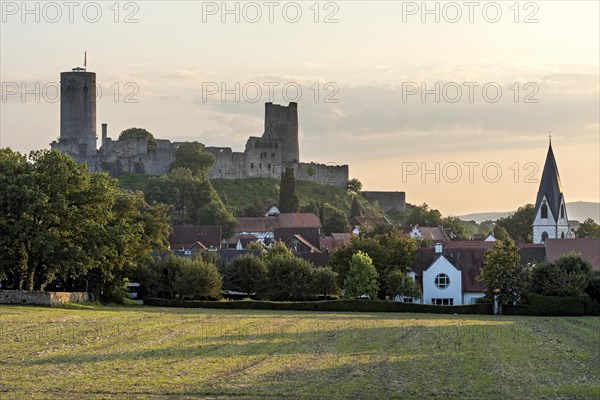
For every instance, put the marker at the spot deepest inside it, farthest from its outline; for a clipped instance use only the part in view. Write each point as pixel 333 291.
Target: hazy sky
pixel 466 91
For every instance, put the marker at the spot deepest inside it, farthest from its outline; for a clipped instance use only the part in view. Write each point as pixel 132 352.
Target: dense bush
pixel 593 288
pixel 568 275
pixel 246 273
pixel 329 305
pixel 324 281
pixel 536 304
pixel 289 278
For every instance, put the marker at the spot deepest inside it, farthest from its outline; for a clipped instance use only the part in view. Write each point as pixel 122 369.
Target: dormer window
pixel 544 210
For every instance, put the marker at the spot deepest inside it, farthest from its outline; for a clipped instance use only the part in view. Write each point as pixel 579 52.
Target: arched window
pixel 562 211
pixel 562 235
pixel 544 211
pixel 544 236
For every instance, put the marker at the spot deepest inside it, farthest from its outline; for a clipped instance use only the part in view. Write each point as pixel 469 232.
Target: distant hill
pixel 578 210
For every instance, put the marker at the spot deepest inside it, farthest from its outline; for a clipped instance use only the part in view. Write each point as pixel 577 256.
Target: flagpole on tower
pixel 85 60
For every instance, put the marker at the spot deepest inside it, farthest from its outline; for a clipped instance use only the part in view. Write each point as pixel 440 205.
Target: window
pixel 562 211
pixel 251 165
pixel 442 281
pixel 562 235
pixel 544 236
pixel 544 210
pixel 442 302
pixel 272 155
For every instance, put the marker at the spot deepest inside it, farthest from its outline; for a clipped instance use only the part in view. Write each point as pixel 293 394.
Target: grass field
pixel 97 352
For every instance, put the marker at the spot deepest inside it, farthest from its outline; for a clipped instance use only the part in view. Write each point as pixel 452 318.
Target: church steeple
pixel 550 216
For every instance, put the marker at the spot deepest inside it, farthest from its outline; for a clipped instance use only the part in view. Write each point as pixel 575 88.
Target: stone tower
pixel 550 215
pixel 281 122
pixel 78 112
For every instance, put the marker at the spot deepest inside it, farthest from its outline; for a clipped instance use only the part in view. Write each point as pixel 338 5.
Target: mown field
pixel 97 352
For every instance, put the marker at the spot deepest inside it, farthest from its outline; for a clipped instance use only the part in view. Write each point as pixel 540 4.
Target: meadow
pixel 100 352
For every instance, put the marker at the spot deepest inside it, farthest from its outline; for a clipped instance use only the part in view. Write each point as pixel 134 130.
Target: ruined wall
pixel 281 122
pixel 388 200
pixel 334 175
pixel 228 165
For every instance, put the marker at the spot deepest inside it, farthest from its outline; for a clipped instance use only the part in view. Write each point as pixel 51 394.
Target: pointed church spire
pixel 550 186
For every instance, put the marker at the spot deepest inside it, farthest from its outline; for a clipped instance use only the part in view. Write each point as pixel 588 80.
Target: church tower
pixel 550 215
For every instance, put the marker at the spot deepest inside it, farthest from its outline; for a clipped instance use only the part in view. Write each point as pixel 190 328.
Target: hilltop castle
pixel 264 157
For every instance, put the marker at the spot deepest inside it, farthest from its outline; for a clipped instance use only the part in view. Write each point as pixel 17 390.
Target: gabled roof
pixel 433 233
pixel 550 186
pixel 331 243
pixel 183 237
pixel 285 220
pixel 588 248
pixel 305 242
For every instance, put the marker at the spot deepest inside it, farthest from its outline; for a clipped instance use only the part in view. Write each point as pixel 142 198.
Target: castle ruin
pixel 264 157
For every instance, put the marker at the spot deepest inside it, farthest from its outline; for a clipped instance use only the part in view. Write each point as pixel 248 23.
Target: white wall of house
pixel 556 229
pixel 432 291
pixel 472 297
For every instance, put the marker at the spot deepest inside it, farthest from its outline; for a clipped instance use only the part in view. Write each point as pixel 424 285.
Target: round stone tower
pixel 78 111
pixel 281 122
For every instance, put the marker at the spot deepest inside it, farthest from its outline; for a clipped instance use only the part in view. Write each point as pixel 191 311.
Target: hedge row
pixel 536 305
pixel 554 306
pixel 330 305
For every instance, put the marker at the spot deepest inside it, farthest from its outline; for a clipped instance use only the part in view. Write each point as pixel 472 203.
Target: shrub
pixel 362 277
pixel 324 281
pixel 246 273
pixel 197 278
pixel 289 277
pixel 568 275
pixel 593 288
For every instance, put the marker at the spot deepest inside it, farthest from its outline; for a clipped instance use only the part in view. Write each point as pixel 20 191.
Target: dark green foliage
pixel 500 233
pixel 324 281
pixel 593 288
pixel 422 215
pixel 59 220
pixel 335 221
pixel 139 133
pixel 288 199
pixel 187 277
pixel 331 305
pixel 568 275
pixel 246 273
pixel 588 229
pixel 536 304
pixel 519 225
pixel 355 209
pixel 289 278
pixel 399 282
pixel 191 155
pixel 193 199
pixel 354 185
pixel 197 279
pixel 394 250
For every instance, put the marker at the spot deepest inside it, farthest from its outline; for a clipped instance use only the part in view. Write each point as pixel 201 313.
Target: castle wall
pixel 334 175
pixel 281 122
pixel 228 165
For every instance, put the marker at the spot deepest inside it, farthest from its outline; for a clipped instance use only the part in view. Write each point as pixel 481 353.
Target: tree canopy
pixel 519 225
pixel 588 229
pixel 139 133
pixel 191 155
pixel 56 219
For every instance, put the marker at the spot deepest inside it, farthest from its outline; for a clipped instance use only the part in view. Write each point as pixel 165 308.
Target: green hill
pixel 241 194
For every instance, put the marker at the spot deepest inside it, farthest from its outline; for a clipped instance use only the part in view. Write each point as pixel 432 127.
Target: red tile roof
pixel 357 221
pixel 588 248
pixel 286 220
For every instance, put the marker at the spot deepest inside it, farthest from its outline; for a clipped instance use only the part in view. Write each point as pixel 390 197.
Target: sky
pixel 450 102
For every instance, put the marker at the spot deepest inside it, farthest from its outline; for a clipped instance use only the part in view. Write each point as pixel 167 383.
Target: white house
pixel 442 283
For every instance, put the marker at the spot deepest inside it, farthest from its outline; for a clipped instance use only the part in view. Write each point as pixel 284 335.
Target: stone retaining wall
pixel 41 298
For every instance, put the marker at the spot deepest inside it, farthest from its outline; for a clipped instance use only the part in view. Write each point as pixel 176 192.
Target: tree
pixel 289 278
pixel 389 251
pixel 277 249
pixel 588 229
pixel 191 155
pixel 362 277
pixel 422 215
pixel 500 233
pixel 355 209
pixel 400 283
pixel 354 185
pixel 519 225
pixel 457 227
pixel 324 281
pixel 197 279
pixel 246 273
pixel 288 199
pixel 505 278
pixel 568 275
pixel 139 133
pixel 335 220
pixel 58 220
